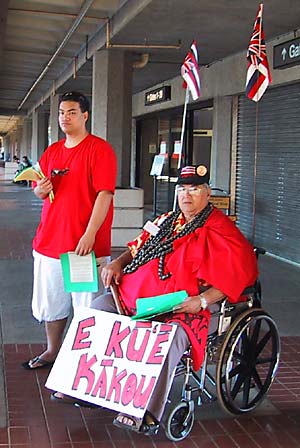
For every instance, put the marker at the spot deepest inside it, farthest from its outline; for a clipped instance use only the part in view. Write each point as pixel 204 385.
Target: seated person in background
pixel 197 249
pixel 25 162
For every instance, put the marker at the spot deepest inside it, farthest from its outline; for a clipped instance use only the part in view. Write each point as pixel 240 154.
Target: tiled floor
pixel 34 421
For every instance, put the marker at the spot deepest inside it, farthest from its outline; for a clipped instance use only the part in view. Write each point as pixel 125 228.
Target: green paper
pixel 149 307
pixel 79 272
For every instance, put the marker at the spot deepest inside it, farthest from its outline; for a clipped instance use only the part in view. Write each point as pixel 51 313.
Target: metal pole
pixel 154 195
pixel 187 97
pixel 70 32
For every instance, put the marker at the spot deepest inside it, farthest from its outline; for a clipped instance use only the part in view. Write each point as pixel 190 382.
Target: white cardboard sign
pixel 111 360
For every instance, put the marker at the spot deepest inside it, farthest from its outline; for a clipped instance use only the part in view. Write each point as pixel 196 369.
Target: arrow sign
pixel 286 54
pixel 283 53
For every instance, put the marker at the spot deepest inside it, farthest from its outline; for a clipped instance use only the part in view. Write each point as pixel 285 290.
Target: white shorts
pixel 49 299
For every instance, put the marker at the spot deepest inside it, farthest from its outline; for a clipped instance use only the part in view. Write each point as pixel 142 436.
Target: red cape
pixel 216 254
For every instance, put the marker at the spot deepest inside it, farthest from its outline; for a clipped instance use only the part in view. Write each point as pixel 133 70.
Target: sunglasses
pixel 56 172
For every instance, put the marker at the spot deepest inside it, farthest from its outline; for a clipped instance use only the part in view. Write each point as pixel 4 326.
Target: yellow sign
pixel 222 202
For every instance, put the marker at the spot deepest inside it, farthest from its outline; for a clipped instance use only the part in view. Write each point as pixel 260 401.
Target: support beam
pixel 120 19
pixel 3 20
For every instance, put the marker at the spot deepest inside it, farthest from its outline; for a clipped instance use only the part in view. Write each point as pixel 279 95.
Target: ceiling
pixel 46 46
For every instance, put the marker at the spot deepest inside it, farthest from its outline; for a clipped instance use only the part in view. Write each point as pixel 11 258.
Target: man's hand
pixel 85 244
pixel 101 206
pixel 190 305
pixel 111 271
pixel 43 188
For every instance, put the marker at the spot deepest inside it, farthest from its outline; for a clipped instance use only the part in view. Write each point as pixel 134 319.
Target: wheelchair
pixel 240 363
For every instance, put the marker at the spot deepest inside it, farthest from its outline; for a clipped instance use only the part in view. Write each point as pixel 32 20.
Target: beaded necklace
pixel 161 244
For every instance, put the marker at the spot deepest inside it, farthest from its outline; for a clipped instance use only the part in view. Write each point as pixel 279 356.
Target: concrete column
pixel 39 140
pixel 34 137
pixel 19 138
pixel 43 133
pixel 13 143
pixel 221 143
pixel 133 153
pixel 53 119
pixel 6 144
pixel 25 149
pixel 112 105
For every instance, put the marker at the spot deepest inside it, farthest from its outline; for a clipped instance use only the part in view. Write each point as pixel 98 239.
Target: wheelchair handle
pixel 259 251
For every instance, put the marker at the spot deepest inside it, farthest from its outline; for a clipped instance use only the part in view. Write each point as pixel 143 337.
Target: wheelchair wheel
pixel 178 426
pixel 248 361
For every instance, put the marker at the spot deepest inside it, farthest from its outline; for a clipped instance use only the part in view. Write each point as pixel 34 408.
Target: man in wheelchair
pixel 197 249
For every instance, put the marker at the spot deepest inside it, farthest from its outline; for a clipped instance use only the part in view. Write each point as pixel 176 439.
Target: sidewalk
pixel 29 419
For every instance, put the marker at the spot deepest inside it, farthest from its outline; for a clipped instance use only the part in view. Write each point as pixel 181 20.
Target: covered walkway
pixel 29 419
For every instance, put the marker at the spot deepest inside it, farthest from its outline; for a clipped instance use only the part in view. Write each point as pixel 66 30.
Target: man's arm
pixel 114 269
pixel 99 212
pixel 193 304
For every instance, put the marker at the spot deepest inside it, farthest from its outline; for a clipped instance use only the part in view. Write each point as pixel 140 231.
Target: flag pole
pixel 255 175
pixel 186 101
pixel 256 137
pixel 260 29
pixel 259 44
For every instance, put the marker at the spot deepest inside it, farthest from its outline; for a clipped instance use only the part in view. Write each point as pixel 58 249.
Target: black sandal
pixel 147 425
pixel 37 363
pixel 66 399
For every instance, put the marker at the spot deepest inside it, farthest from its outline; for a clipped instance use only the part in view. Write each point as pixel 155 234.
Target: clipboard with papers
pixel 79 272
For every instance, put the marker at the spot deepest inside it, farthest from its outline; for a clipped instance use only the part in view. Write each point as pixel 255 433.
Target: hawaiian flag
pixel 258 73
pixel 190 72
pixel 188 171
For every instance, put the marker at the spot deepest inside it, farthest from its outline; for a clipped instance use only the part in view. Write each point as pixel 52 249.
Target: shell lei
pixel 160 245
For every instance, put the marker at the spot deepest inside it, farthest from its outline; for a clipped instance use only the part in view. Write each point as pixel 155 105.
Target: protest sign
pixel 110 360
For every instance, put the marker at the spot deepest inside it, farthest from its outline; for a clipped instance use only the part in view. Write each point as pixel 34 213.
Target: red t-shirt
pixel 91 168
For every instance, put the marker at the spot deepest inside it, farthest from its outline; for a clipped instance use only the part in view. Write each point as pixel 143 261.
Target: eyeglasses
pixel 55 172
pixel 193 190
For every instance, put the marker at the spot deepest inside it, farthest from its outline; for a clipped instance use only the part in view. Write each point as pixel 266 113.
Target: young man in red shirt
pixel 80 170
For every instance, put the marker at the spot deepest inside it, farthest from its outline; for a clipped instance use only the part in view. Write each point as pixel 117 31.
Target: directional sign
pixel 158 95
pixel 286 54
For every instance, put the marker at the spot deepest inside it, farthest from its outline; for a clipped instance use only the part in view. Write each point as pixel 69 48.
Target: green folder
pixel 80 273
pixel 149 307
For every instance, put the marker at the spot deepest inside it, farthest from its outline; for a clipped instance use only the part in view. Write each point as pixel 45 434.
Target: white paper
pixel 163 147
pixel 157 165
pixel 177 147
pixel 152 228
pixel 81 268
